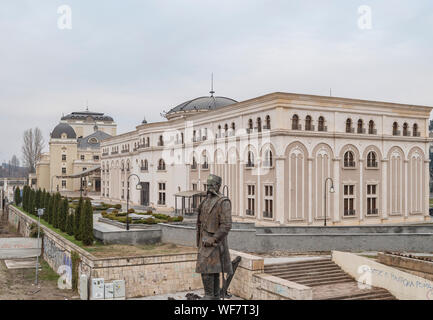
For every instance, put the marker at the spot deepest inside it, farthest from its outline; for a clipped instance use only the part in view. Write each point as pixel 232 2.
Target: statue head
pixel 213 184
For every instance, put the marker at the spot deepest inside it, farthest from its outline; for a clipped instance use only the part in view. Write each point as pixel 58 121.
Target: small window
pixel 295 122
pixel 371 160
pixel 372 199
pixel 321 124
pixel 395 131
pixel 63 157
pixel 349 126
pixel 349 200
pixel 416 133
pixel 371 129
pixel 308 124
pixel 268 123
pixel 268 159
pixel 406 132
pixel 82 157
pixel 251 199
pixel 360 126
pixel 250 162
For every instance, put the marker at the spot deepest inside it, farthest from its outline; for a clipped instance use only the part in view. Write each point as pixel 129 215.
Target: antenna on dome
pixel 87 105
pixel 211 84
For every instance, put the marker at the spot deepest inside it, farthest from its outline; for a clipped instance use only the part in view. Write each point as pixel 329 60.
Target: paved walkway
pixel 178 296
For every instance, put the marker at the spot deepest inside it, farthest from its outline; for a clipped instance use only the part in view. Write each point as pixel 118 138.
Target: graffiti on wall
pixel 59 259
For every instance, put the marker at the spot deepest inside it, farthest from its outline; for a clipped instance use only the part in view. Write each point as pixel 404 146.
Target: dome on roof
pixel 63 128
pixel 202 103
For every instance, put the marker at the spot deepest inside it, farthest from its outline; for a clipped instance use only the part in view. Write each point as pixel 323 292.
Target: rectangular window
pixel 269 202
pixel 194 186
pixel 63 157
pixel 372 199
pixel 82 157
pixel 63 170
pixel 251 198
pixel 349 200
pixel 64 184
pixel 161 193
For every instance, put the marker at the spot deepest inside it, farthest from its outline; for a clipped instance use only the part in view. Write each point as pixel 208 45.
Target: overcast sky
pixel 131 59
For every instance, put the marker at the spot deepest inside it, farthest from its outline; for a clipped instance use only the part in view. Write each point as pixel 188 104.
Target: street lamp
pixel 138 187
pixel 331 190
pixel 40 212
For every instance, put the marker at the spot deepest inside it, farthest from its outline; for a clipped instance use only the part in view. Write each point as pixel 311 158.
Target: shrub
pixel 175 219
pixel 34 231
pixel 160 216
pixel 115 211
pixel 149 211
pixel 131 210
pixel 150 221
pixel 86 226
pixel 17 196
pixel 77 220
pixel 120 214
pixel 117 206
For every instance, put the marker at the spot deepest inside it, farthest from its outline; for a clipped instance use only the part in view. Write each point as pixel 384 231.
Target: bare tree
pixel 33 143
pixel 15 162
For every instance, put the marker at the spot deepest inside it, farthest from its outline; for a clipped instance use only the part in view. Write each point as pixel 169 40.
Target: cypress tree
pixel 17 196
pixel 38 199
pixel 87 224
pixel 25 198
pixel 70 224
pixel 77 219
pixel 47 206
pixel 63 214
pixel 56 210
pixel 51 209
pixel 31 201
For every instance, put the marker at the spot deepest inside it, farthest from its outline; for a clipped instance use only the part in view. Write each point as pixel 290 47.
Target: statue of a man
pixel 214 222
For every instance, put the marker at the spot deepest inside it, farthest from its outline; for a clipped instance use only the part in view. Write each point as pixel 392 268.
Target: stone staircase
pixel 328 280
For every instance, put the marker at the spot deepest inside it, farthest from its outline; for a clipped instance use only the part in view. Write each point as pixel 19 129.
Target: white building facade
pixel 275 152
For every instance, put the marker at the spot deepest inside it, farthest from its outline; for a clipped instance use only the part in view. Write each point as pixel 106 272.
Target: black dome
pixel 63 128
pixel 203 103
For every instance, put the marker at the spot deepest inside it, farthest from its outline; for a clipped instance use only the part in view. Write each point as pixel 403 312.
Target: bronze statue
pixel 214 222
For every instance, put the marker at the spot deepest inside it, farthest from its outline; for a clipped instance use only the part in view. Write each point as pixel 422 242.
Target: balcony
pixel 350 130
pixel 349 212
pixel 396 132
pixel 249 130
pixel 125 151
pixel 372 211
pixel 406 133
pixel 349 164
pixel 417 134
pixel 267 214
pixel 309 128
pixel 360 131
pixel 194 166
pixel 296 127
pixel 161 168
pixel 372 131
pixel 105 154
pixel 114 152
pixel 143 169
pixel 249 165
pixel 266 127
pixel 372 164
pixel 161 202
pixel 145 145
pixel 322 129
pixel 249 212
pixel 160 144
pixel 205 166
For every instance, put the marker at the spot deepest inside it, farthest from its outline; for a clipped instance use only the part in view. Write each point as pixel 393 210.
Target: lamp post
pixel 138 187
pixel 40 213
pixel 331 190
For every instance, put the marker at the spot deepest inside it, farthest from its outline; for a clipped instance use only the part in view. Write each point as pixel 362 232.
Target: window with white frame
pixel 349 200
pixel 372 199
pixel 64 184
pixel 161 193
pixel 251 199
pixel 269 202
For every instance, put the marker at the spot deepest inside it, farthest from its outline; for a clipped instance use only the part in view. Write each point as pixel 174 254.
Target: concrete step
pixel 302 268
pixel 298 264
pixel 324 282
pixel 304 271
pixel 373 294
pixel 319 277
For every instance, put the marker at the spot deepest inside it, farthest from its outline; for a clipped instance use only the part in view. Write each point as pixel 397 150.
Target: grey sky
pixel 131 59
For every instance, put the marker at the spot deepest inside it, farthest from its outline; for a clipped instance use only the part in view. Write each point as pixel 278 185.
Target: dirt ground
pixel 118 250
pixel 18 284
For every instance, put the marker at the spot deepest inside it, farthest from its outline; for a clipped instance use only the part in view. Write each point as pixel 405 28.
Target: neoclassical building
pixel 74 147
pixel 275 152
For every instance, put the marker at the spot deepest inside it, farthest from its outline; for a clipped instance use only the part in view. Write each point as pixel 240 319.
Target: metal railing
pixel 349 164
pixel 372 211
pixel 349 212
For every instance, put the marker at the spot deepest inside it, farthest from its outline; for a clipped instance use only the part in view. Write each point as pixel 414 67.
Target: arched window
pixel 416 133
pixel 250 125
pixel 295 122
pixel 371 127
pixel 321 124
pixel 395 131
pixel 146 165
pixel 160 141
pixel 161 165
pixel 349 126
pixel 349 160
pixel 308 125
pixel 360 126
pixel 268 159
pixel 194 163
pixel 148 142
pixel 205 164
pixel 232 129
pixel 268 123
pixel 259 124
pixel 226 128
pixel 406 133
pixel 250 162
pixel 233 126
pixel 371 160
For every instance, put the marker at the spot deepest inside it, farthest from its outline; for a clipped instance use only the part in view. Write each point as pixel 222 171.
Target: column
pixel 279 190
pixel 361 190
pixel 426 189
pixel 406 187
pixel 241 189
pixel 337 190
pixel 259 215
pixel 384 185
pixel 310 190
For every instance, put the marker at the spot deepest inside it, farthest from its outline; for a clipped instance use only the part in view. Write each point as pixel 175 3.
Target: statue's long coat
pixel 214 220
